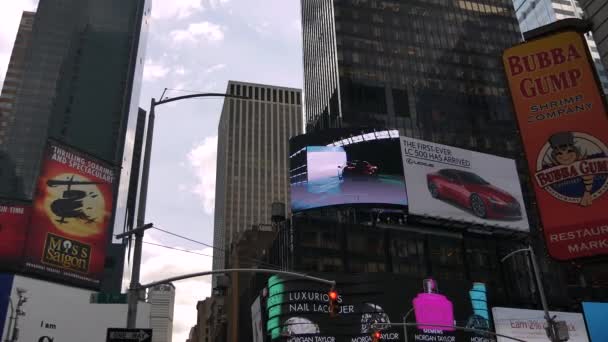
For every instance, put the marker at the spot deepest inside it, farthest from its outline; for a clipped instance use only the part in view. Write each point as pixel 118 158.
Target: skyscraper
pixel 411 65
pixel 534 13
pixel 79 77
pixel 597 12
pixel 83 63
pixel 162 301
pixel 12 82
pixel 252 158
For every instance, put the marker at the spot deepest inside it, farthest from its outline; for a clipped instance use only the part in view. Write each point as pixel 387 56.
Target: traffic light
pixel 334 307
pixel 376 336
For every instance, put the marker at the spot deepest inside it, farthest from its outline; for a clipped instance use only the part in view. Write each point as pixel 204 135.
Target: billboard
pixel 297 310
pixel 14 219
pixel 529 325
pixel 595 316
pixel 56 313
pixel 70 219
pixel 462 185
pixel 562 119
pixel 341 166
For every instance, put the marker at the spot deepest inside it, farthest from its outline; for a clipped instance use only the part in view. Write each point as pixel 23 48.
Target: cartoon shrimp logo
pixel 573 167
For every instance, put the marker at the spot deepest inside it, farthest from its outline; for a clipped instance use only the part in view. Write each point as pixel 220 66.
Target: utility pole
pixel 134 288
pixel 552 325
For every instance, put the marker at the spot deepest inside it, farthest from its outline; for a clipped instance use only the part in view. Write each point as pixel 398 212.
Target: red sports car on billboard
pixel 472 192
pixel 358 168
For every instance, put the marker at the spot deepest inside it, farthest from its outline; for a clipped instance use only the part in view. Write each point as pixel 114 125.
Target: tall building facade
pixel 12 81
pixel 75 77
pixel 83 63
pixel 252 158
pixel 596 11
pixel 411 65
pixel 162 302
pixel 535 13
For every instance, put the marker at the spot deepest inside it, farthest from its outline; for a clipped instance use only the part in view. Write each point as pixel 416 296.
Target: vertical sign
pixel 13 230
pixel 71 215
pixel 564 129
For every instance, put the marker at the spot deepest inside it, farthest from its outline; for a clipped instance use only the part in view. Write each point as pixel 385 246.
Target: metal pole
pixel 246 270
pixel 405 324
pixel 133 298
pixel 541 292
pixel 10 320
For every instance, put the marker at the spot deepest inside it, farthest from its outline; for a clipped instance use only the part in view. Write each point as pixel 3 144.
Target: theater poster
pixel 71 217
pixel 14 218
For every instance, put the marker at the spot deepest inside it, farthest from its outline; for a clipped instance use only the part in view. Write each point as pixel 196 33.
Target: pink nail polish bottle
pixel 433 308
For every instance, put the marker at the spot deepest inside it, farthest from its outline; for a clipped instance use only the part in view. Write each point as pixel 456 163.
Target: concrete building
pixel 211 320
pixel 252 159
pixel 532 14
pixel 162 300
pixel 596 11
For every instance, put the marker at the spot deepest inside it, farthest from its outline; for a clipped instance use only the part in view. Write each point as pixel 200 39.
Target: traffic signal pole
pixel 382 326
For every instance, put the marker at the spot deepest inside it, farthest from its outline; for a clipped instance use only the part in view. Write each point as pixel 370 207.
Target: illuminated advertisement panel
pixel 562 119
pixel 462 185
pixel 70 220
pixel 529 325
pixel 56 312
pixel 595 317
pixel 298 311
pixel 338 167
pixel 14 219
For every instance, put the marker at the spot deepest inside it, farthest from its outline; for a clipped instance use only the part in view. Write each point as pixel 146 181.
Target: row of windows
pixel 266 94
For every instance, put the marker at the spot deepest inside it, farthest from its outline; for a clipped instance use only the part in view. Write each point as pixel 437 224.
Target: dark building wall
pixel 363 241
pixel 413 66
pixel 76 87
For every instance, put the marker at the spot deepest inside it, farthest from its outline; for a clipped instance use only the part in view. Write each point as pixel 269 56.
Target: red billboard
pixel 562 119
pixel 71 217
pixel 14 219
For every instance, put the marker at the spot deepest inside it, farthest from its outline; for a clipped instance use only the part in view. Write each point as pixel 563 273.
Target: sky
pixel 194 45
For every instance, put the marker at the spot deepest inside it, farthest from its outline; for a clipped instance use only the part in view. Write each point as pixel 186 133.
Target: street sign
pixel 128 335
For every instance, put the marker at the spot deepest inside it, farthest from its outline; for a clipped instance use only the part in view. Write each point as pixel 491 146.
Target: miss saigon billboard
pixel 562 119
pixel 69 224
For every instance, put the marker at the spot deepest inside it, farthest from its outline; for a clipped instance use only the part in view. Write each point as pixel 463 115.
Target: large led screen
pixel 596 318
pixel 462 185
pixel 340 166
pixel 70 220
pixel 297 310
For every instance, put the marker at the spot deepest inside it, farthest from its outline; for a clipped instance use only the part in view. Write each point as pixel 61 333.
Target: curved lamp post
pixel 143 194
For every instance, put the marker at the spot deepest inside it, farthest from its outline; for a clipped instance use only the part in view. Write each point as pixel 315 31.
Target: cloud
pixel 216 3
pixel 179 70
pixel 161 263
pixel 154 70
pixel 262 28
pixel 167 9
pixel 203 30
pixel 215 67
pixel 202 159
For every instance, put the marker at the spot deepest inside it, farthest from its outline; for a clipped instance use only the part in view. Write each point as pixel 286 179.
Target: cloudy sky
pixel 194 45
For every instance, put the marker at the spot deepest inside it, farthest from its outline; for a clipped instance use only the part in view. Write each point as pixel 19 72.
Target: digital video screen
pixel 343 166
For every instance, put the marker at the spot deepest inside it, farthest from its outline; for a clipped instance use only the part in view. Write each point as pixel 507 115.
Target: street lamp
pixel 133 294
pixel 551 324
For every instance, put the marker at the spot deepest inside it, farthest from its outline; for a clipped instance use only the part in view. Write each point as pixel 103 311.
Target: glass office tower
pixel 430 68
